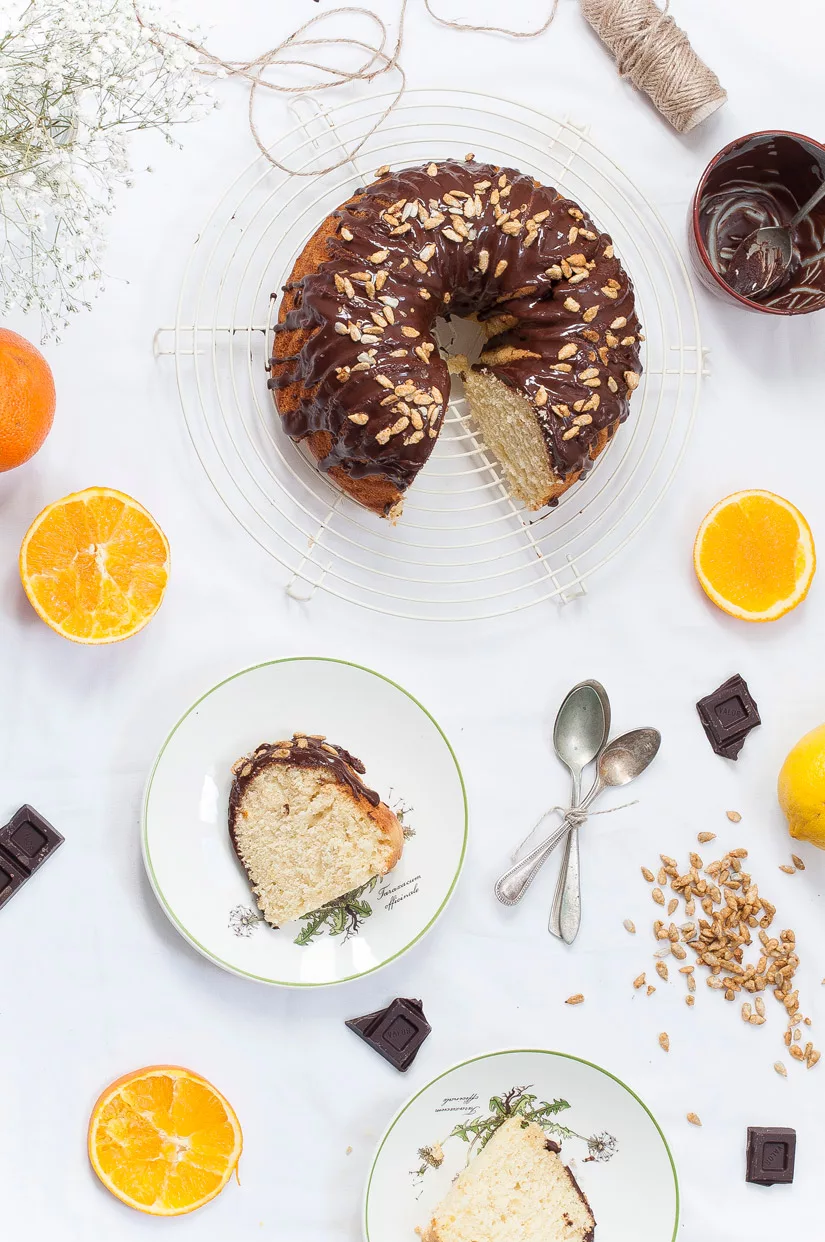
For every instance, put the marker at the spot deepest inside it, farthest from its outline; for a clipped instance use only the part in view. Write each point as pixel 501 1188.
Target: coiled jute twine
pixel 656 55
pixel 649 48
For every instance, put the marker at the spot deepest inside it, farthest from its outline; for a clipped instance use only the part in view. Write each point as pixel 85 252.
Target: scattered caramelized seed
pixel 639 981
pixel 575 1000
pixel 664 1041
pixel 629 926
pixel 733 816
pixel 648 875
pixel 658 896
pixel 797 862
pixel 662 971
pixel 704 837
pixel 693 1119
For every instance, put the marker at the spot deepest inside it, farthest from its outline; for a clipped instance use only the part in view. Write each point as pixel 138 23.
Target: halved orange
pixel 164 1140
pixel 95 566
pixel 754 555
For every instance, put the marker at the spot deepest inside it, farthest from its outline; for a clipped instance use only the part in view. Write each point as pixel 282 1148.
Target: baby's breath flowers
pixel 75 79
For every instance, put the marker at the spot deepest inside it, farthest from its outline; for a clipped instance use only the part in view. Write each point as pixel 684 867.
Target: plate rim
pixel 155 884
pixel 499 1052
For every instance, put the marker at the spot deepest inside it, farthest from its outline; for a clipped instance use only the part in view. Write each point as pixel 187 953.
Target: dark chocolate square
pixel 11 878
pixel 26 841
pixel 728 714
pixel 29 839
pixel 771 1155
pixel 395 1033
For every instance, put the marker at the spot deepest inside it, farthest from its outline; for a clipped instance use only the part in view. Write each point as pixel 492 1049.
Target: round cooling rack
pixel 462 549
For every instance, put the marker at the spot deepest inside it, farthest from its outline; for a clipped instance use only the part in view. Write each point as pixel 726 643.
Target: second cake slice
pixel 306 827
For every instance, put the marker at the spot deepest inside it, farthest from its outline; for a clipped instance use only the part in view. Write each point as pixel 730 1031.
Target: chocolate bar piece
pixel 771 1154
pixel 728 715
pixel 396 1033
pixel 26 842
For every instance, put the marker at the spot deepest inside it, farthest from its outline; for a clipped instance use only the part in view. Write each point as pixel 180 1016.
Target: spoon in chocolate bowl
pixel 761 262
pixel 579 736
pixel 621 761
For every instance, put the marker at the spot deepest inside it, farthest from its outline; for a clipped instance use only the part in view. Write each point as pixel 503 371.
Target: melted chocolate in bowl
pixel 757 182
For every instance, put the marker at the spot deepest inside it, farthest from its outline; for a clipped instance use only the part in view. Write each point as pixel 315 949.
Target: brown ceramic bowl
pixel 761 179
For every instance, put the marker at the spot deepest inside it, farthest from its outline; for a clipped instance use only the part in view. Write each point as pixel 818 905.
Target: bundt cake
pixel 517 1189
pixel 305 826
pixel 356 371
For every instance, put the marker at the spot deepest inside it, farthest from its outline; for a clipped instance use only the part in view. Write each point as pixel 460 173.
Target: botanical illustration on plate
pixel 477 1131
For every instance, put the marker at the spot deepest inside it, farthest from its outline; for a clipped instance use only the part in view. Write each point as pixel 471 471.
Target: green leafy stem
pixel 341 917
pixel 517 1102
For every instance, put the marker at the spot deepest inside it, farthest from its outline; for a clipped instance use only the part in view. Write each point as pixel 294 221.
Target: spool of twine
pixel 655 53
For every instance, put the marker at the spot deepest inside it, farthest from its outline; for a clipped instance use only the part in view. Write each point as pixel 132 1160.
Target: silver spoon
pixel 621 761
pixel 579 736
pixel 760 263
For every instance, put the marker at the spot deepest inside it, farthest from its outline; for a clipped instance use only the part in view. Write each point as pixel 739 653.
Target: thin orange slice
pixel 163 1140
pixel 754 556
pixel 95 566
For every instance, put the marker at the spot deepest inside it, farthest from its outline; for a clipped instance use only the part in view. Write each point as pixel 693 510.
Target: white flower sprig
pixel 76 76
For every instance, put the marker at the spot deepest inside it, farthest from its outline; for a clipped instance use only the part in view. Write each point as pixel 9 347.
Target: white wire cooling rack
pixel 463 549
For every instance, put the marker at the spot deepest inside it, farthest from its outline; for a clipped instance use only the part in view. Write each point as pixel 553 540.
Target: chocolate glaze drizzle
pixel 301 751
pixel 458 238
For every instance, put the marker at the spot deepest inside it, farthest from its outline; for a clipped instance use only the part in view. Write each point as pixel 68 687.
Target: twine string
pixel 381 58
pixel 649 48
pixel 574 814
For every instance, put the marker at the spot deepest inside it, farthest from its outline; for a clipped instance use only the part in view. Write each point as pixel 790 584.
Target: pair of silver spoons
pixel 580 738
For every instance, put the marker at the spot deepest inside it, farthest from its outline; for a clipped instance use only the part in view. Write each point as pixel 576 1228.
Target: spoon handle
pixel 570 898
pixel 512 886
pixel 554 926
pixel 808 207
pixel 565 913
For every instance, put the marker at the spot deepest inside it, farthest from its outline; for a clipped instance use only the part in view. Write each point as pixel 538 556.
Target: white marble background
pixel 95 982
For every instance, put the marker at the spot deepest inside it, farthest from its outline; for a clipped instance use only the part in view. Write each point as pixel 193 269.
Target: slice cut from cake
pixel 306 827
pixel 516 1190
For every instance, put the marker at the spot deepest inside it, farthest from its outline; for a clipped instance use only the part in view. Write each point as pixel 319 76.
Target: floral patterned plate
pixel 193 869
pixel 609 1139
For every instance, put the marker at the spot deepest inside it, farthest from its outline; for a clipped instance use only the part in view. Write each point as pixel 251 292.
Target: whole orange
pixel 27 399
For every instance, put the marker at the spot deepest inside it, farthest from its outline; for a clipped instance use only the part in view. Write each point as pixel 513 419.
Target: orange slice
pixel 95 566
pixel 163 1140
pixel 754 556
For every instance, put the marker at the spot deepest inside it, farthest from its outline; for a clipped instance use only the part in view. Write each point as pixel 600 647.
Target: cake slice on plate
pixel 517 1189
pixel 305 826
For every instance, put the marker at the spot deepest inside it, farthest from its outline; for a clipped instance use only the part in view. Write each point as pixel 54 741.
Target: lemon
pixel 801 788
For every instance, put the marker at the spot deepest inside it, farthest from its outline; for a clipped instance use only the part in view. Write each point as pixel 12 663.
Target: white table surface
pixel 94 981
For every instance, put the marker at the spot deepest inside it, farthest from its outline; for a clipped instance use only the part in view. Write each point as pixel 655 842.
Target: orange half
pixel 164 1140
pixel 95 566
pixel 754 556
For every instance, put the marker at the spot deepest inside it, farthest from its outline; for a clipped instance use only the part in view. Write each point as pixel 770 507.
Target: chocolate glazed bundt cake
pixel 358 375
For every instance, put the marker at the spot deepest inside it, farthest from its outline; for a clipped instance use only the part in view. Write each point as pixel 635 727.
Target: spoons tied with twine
pixel 624 759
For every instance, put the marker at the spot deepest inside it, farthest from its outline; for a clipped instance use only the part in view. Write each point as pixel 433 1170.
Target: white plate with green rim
pixel 193 868
pixel 609 1139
